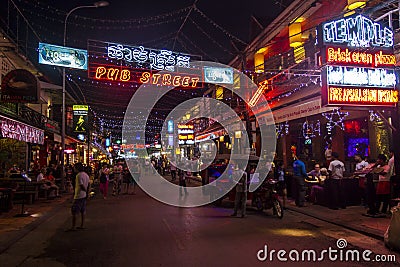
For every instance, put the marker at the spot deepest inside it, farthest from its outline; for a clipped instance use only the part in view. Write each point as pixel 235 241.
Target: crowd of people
pixel 376 179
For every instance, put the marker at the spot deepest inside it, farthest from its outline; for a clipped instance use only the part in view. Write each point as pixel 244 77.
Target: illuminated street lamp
pixel 97 4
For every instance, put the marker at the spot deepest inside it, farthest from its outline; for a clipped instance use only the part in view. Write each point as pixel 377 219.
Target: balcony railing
pixel 29 116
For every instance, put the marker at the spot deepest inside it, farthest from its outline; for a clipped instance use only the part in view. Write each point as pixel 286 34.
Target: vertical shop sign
pixel 80 118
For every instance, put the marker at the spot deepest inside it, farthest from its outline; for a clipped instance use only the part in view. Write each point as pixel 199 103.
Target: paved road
pixel 135 230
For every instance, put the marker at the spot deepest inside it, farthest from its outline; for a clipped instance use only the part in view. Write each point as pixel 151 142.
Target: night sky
pixel 215 31
pixel 135 22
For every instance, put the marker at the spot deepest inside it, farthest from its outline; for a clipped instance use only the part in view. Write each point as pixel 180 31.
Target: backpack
pixel 103 178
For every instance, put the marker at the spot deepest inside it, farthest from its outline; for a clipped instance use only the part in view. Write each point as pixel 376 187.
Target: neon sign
pixel 20 131
pixel 166 79
pixel 364 96
pixel 353 76
pixel 156 59
pixel 357 31
pixel 185 134
pixel 262 86
pixel 337 55
pixel 169 79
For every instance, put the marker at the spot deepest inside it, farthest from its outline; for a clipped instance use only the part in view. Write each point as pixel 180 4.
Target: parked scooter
pixel 267 197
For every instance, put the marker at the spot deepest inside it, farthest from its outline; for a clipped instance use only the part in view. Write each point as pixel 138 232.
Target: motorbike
pixel 267 197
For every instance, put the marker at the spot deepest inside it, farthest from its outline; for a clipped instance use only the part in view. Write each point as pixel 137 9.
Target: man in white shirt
pixel 81 191
pixel 360 162
pixel 336 170
pixel 336 167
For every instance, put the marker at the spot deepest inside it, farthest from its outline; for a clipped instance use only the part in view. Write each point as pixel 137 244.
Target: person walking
pixel 172 168
pixel 117 179
pixel 299 176
pixel 80 196
pixel 104 180
pixel 136 172
pixel 241 192
pixel 182 182
pixel 280 177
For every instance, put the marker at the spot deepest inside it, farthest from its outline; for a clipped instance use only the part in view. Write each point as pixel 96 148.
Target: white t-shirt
pixel 81 179
pixel 40 177
pixel 361 165
pixel 337 169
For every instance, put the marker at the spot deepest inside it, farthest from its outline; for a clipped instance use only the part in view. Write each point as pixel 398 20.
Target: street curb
pixel 32 226
pixel 367 233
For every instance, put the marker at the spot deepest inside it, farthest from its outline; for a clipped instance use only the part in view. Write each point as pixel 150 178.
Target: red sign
pixel 362 96
pixel 129 75
pixel 349 56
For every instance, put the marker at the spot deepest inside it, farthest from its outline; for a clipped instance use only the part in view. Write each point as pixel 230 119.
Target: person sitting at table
pixel 314 174
pixel 320 175
pixel 13 170
pixel 48 183
pixel 40 176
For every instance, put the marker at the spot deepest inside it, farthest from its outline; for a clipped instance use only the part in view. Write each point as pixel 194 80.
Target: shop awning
pixel 70 140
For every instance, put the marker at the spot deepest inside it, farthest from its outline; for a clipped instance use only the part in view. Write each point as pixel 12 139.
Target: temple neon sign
pixel 166 79
pixel 357 31
pixel 337 55
pixel 363 96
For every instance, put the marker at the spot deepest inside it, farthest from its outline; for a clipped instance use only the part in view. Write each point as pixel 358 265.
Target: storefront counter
pixel 350 191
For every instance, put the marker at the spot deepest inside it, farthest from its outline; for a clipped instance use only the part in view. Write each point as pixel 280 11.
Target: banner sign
pixel 356 31
pixel 20 86
pixel 63 56
pixel 80 119
pixel 218 75
pixel 20 131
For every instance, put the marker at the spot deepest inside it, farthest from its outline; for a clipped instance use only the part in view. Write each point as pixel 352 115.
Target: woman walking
pixel 104 179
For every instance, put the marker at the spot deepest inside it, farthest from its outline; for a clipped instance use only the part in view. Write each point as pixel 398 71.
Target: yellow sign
pixel 80 107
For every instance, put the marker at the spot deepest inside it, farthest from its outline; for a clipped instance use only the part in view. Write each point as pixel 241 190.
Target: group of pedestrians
pixel 120 176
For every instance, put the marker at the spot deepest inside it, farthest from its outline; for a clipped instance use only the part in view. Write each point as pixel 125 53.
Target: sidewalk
pixel 351 218
pixel 14 228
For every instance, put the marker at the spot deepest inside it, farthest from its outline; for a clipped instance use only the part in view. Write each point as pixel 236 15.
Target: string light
pixel 374 117
pixel 335 118
pixel 282 129
pixel 311 129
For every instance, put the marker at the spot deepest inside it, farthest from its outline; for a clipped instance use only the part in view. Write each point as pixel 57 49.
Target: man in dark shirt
pixel 299 171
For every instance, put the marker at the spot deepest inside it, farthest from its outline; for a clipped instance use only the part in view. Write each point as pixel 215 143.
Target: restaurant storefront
pixel 20 144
